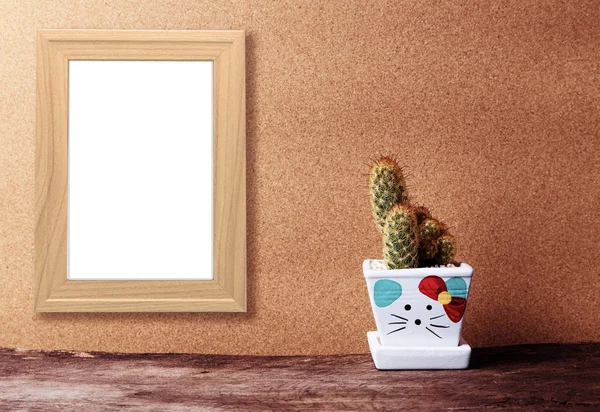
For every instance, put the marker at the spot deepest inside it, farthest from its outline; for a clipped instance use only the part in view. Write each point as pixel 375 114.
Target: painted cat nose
pixel 417 321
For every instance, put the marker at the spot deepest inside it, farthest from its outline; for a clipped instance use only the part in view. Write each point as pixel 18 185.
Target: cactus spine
pixel 387 187
pixel 400 238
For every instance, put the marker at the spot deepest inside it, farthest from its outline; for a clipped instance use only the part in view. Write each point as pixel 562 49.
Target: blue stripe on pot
pixel 457 287
pixel 385 292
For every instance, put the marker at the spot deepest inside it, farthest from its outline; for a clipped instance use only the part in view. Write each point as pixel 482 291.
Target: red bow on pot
pixel 451 294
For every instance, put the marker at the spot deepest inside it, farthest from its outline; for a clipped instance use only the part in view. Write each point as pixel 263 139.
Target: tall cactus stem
pixel 401 238
pixel 387 187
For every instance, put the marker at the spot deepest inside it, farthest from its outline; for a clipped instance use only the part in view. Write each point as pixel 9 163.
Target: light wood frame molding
pixel 226 292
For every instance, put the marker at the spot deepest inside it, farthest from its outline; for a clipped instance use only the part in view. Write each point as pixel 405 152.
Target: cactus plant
pixel 387 187
pixel 401 238
pixel 411 236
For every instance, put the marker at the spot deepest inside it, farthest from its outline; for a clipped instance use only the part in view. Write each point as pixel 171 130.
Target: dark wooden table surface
pixel 532 377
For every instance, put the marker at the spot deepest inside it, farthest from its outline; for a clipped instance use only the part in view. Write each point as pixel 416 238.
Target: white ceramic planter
pixel 422 307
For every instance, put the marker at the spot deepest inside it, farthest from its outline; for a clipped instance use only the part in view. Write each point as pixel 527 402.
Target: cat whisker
pixel 432 332
pixel 438 326
pixel 399 317
pixel 397 330
pixel 435 317
pixel 397 323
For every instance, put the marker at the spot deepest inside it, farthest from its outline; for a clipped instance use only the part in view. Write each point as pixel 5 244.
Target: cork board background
pixel 494 110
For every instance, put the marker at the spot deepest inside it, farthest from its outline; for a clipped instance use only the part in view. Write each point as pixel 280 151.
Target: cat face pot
pixel 418 307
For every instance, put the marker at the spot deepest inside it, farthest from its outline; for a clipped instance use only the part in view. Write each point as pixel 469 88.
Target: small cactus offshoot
pixel 411 236
pixel 431 228
pixel 428 250
pixel 400 238
pixel 422 213
pixel 387 187
pixel 446 249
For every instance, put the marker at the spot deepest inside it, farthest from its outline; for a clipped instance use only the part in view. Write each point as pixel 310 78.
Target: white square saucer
pixel 404 358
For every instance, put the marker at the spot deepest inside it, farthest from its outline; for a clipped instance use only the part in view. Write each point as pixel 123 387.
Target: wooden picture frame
pixel 226 292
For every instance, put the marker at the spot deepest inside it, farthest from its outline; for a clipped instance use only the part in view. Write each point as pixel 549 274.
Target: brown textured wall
pixel 494 109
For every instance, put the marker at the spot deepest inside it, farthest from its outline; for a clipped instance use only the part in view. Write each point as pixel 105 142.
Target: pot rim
pixel 464 270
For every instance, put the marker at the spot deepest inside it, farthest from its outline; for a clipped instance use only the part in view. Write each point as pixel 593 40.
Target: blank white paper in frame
pixel 140 170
